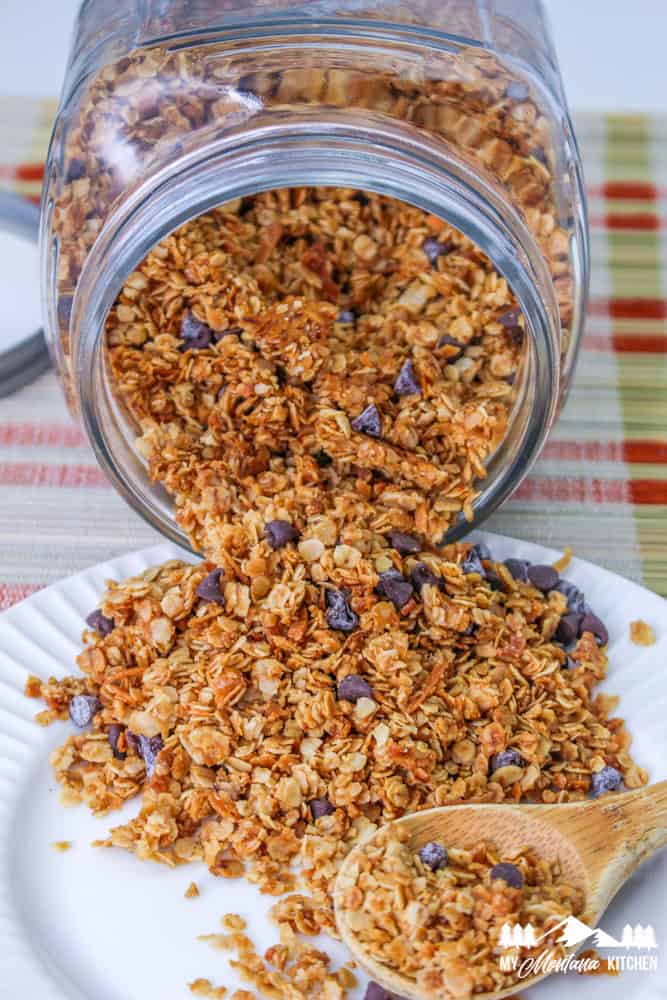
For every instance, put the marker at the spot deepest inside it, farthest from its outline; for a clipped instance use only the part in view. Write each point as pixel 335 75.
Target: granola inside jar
pixel 296 251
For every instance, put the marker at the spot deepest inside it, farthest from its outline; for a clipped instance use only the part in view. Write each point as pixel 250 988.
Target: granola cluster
pixel 315 354
pixel 444 918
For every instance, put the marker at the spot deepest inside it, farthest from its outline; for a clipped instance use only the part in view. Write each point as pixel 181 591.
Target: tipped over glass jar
pixel 305 258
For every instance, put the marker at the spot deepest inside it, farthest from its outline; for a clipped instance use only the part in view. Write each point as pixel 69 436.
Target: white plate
pixel 97 924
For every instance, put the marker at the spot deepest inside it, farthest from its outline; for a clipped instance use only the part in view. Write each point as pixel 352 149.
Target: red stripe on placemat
pixel 629 308
pixel 29 435
pixel 12 593
pixel 626 343
pixel 22 172
pixel 630 190
pixel 582 490
pixel 33 474
pixel 648 452
pixel 621 222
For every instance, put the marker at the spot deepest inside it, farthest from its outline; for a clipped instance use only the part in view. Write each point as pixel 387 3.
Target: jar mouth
pixel 314 149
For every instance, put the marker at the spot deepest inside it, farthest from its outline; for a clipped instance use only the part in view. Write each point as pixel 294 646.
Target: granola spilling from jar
pixel 317 354
pixel 271 709
pixel 455 921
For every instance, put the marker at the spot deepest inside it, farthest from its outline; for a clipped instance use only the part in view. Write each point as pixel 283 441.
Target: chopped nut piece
pixel 192 891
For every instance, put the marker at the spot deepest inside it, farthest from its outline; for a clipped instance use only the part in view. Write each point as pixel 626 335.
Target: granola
pixel 264 738
pixel 302 354
pixel 140 113
pixel 444 918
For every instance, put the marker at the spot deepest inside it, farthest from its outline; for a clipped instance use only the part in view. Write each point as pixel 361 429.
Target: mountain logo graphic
pixel 574 932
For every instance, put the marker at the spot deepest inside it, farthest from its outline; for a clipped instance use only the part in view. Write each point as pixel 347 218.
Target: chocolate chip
pixel 422 575
pixel 405 545
pixel 65 303
pixel 510 874
pixel 322 458
pixel 568 629
pixel 376 992
pixel 100 622
pixel 544 578
pixel 362 198
pixel 339 613
pixel 321 807
pixel 433 855
pixel 82 708
pixel 516 90
pixel 606 780
pixel 576 600
pixel 76 169
pixel 148 748
pixel 516 335
pixel 434 249
pixel 280 533
pixel 209 589
pixel 368 422
pixel 395 588
pixel 406 383
pixel 591 623
pixel 115 732
pixel 347 316
pixel 510 317
pixel 195 334
pixel 504 758
pixel 518 569
pixel 473 563
pixel 353 687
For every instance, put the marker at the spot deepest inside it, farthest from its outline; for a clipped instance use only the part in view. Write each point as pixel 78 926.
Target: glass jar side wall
pixel 149 109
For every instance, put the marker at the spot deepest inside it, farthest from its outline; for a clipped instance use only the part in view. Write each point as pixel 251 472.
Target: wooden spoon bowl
pixel 598 843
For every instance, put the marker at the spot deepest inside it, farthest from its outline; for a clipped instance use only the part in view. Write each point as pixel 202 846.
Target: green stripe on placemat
pixel 636 269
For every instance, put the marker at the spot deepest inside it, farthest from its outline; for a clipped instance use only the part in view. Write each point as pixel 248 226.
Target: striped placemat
pixel 600 486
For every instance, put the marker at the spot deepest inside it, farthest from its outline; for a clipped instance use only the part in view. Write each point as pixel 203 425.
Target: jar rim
pixel 335 148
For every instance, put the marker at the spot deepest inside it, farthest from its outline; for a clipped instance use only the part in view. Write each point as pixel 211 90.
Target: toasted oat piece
pixel 62 845
pixel 641 633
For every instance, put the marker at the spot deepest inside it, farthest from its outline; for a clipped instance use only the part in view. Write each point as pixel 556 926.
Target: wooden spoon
pixel 599 843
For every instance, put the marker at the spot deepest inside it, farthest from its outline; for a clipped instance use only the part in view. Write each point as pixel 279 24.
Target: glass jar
pixel 177 106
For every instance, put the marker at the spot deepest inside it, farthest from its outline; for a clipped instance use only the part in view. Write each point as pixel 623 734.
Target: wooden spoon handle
pixel 637 821
pixel 614 835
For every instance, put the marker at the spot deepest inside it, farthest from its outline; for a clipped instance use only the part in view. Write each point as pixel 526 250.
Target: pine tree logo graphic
pixel 574 932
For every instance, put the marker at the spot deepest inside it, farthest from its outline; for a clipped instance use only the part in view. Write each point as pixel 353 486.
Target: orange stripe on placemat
pixel 629 308
pixel 581 490
pixel 12 593
pixel 620 222
pixel 29 435
pixel 32 474
pixel 647 452
pixel 22 172
pixel 630 190
pixel 631 343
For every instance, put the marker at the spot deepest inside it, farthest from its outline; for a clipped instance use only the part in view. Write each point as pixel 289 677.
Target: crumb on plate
pixel 641 633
